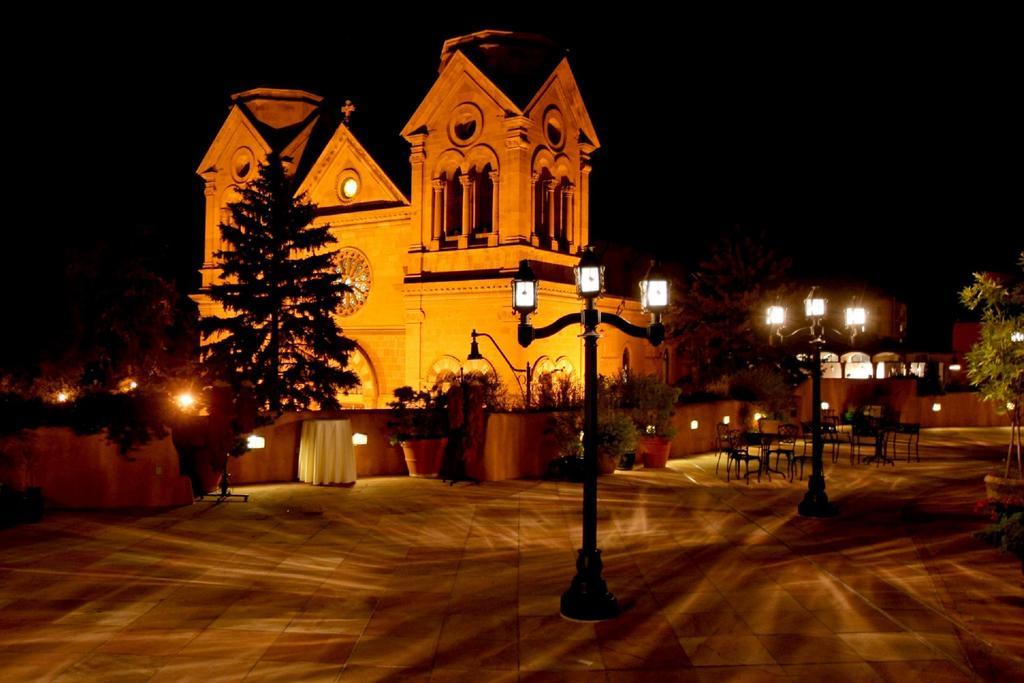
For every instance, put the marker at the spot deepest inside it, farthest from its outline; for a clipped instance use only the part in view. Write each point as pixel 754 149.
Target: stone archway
pixel 442 372
pixel 367 393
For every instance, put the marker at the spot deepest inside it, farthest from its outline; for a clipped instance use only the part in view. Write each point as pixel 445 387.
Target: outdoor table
pixel 326 455
pixel 763 440
pixel 880 456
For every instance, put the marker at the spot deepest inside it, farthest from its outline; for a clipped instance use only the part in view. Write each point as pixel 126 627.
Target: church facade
pixel 499 157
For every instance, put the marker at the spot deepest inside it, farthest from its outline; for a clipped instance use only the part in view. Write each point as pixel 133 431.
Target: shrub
pixel 1007 529
pixel 417 415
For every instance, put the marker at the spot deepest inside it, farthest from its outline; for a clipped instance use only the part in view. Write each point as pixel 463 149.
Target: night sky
pixel 886 152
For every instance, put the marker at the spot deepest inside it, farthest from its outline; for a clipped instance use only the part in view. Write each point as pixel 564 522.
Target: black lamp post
pixel 588 598
pixel 815 502
pixel 474 355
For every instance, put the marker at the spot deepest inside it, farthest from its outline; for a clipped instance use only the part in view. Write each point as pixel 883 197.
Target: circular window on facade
pixel 242 164
pixel 348 185
pixel 466 123
pixel 554 129
pixel 354 270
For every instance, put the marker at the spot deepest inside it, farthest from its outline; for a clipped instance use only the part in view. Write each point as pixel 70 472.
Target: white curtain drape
pixel 326 455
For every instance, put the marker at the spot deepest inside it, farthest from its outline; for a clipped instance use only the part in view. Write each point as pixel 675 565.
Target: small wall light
pixel 694 424
pixel 936 407
pixel 185 400
pixel 253 442
pixel 359 439
pixel 824 405
pixel 725 420
pixel 757 417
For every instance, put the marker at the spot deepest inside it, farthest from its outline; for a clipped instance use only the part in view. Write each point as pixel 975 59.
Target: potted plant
pixel 1007 528
pixel 996 365
pixel 651 404
pixel 616 435
pixel 420 426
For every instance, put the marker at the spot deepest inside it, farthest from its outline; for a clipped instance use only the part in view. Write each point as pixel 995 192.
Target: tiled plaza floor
pixel 412 580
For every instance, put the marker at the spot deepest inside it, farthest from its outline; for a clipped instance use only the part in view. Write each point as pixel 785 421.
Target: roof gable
pixel 563 81
pixel 343 155
pixel 237 131
pixel 457 71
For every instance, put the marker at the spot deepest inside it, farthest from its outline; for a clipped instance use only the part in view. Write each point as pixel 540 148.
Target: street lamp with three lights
pixel 815 502
pixel 588 597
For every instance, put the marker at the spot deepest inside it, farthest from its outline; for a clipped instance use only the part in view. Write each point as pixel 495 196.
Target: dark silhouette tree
pixel 715 323
pixel 280 290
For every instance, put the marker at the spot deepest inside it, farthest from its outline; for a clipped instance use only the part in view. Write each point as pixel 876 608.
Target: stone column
pixel 213 239
pixel 467 190
pixel 535 211
pixel 584 202
pixel 421 226
pixel 549 195
pixel 516 208
pixel 437 214
pixel 492 238
pixel 569 200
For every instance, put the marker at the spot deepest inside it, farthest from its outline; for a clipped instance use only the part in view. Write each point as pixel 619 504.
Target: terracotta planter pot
pixel 654 450
pixel 1000 487
pixel 423 456
pixel 606 463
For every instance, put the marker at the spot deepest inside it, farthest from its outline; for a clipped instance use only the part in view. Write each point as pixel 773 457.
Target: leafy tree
pixel 715 325
pixel 279 290
pixel 996 363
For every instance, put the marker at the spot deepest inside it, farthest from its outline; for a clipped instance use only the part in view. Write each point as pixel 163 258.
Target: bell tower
pixel 500 154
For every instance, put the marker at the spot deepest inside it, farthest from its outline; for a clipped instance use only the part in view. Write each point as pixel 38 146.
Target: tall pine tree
pixel 279 290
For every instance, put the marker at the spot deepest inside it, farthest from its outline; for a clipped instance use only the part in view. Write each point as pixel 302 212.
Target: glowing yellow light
pixel 132 385
pixel 62 397
pixel 694 424
pixel 757 416
pixel 955 367
pixel 725 420
pixel 776 315
pixel 349 188
pixel 1017 336
pixel 254 441
pixel 936 407
pixel 824 405
pixel 358 439
pixel 1010 405
pixel 650 429
pixel 185 400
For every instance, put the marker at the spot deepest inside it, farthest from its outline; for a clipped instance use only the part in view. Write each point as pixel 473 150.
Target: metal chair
pixel 907 434
pixel 739 451
pixel 721 444
pixel 785 445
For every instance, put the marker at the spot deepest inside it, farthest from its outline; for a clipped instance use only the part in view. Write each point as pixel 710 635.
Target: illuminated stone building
pixel 500 158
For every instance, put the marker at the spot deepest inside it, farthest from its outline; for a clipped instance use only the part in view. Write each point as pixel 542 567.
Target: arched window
pixel 483 200
pixel 453 205
pixel 544 209
pixel 563 210
pixel 442 373
pixel 364 395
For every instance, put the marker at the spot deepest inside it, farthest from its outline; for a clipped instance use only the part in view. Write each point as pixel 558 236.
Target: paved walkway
pixel 411 580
